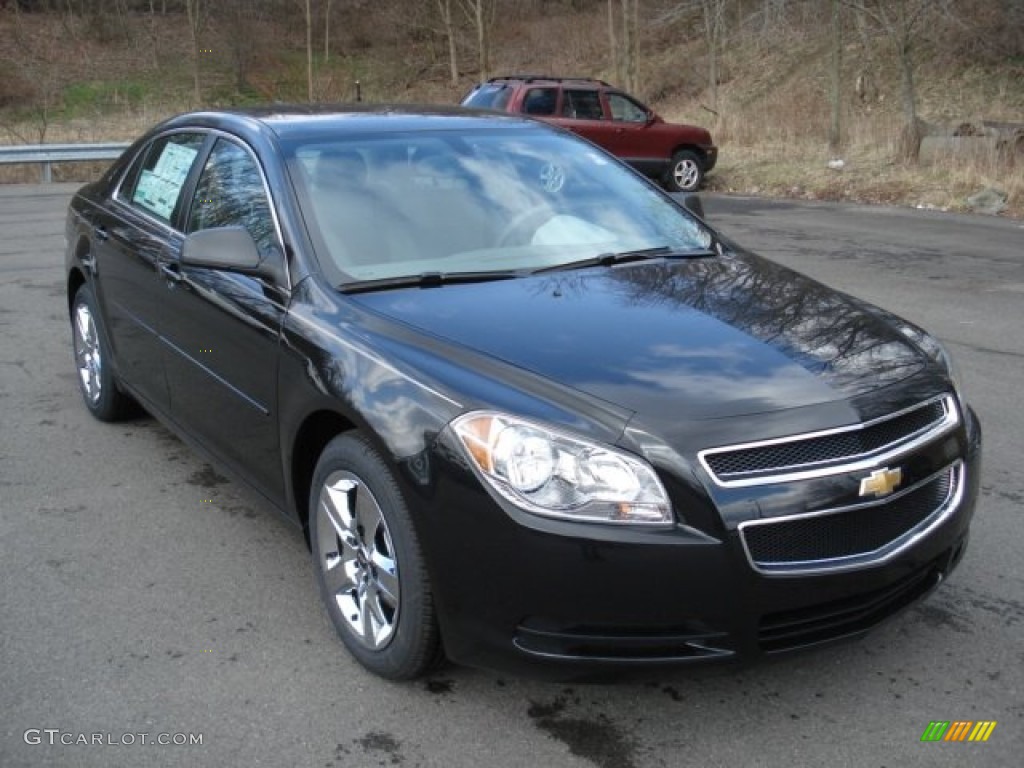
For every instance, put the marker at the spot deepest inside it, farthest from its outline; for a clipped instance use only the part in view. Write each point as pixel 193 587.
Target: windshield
pixel 489 96
pixel 521 199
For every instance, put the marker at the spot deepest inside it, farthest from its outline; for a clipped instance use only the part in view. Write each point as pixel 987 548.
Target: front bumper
pixel 540 596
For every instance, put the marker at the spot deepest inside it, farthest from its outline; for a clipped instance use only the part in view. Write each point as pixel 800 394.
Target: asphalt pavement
pixel 144 593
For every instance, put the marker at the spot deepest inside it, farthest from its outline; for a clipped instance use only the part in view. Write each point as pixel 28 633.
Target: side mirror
pixel 233 249
pixel 692 203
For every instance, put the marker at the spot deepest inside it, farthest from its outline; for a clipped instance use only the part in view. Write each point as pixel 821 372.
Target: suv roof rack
pixel 534 78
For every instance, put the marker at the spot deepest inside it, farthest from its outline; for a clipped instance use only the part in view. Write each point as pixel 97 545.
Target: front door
pixel 221 328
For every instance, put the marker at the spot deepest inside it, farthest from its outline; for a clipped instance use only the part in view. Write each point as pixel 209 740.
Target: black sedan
pixel 528 411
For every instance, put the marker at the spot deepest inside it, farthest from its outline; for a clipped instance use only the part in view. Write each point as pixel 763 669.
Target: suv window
pixel 624 108
pixel 489 96
pixel 582 104
pixel 156 188
pixel 540 101
pixel 230 192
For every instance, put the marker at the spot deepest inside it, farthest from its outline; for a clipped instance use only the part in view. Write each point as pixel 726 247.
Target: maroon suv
pixel 678 155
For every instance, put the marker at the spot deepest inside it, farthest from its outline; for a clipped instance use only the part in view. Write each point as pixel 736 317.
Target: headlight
pixel 550 473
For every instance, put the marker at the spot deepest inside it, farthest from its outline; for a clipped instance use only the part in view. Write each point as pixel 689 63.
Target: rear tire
pixel 686 172
pixel 96 379
pixel 367 562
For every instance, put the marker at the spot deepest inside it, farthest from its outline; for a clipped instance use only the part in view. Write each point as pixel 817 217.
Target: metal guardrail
pixel 47 154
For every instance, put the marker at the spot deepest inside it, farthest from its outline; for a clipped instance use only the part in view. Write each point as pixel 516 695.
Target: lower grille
pixel 851 536
pixel 789 630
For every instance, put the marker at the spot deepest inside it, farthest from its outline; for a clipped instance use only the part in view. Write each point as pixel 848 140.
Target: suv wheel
pixel 685 173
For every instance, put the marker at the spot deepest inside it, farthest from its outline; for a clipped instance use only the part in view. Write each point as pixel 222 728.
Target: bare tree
pixel 613 43
pixel 194 10
pixel 309 50
pixel 630 42
pixel 481 15
pixel 713 13
pixel 444 9
pixel 712 22
pixel 835 86
pixel 243 18
pixel 901 21
pixel 624 20
pixel 327 30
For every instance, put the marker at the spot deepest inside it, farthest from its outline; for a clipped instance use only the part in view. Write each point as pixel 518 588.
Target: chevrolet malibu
pixel 529 412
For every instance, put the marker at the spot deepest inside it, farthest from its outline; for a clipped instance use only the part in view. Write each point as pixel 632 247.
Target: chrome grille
pixel 831 451
pixel 852 536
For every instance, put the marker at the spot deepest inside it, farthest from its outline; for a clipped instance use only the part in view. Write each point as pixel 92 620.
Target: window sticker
pixel 158 189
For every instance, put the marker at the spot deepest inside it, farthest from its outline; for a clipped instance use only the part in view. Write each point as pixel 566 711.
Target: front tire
pixel 96 379
pixel 686 172
pixel 367 562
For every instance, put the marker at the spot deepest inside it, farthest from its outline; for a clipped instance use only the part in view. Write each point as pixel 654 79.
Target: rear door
pixel 133 239
pixel 582 113
pixel 222 328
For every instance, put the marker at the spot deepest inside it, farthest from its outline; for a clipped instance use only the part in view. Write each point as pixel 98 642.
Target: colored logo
pixel 958 730
pixel 881 482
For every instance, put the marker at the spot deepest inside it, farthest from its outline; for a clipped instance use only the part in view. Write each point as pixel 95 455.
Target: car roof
pixel 293 120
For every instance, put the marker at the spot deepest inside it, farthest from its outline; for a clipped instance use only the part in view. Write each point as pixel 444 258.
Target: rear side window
pixel 540 101
pixel 230 192
pixel 581 105
pixel 489 96
pixel 156 187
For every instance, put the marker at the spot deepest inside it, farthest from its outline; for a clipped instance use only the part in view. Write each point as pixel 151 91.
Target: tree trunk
pixel 309 51
pixel 835 92
pixel 193 9
pixel 327 30
pixel 613 45
pixel 712 36
pixel 910 137
pixel 448 22
pixel 481 40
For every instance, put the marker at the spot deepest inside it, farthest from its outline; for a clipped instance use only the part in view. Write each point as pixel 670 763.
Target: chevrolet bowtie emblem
pixel 881 482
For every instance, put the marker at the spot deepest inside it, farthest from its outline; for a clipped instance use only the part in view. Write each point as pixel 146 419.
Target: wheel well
pixel 75 281
pixel 691 148
pixel 316 432
pixel 76 278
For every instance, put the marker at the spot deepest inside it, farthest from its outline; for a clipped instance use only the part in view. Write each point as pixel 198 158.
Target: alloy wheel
pixel 357 558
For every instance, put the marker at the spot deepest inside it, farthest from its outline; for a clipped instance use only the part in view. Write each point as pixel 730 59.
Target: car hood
pixel 695 339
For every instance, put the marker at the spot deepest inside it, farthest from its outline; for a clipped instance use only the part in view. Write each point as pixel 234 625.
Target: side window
pixel 230 193
pixel 581 105
pixel 156 184
pixel 625 109
pixel 540 101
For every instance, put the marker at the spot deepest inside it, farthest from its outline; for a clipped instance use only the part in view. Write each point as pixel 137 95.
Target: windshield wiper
pixel 624 257
pixel 425 280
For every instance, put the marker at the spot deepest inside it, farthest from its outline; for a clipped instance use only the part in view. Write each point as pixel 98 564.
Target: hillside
pixel 110 69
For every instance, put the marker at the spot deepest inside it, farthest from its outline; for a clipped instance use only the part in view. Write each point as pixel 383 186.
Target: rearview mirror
pixel 231 248
pixel 221 248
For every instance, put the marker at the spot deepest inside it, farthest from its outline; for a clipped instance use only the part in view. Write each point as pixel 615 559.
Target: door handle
pixel 101 233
